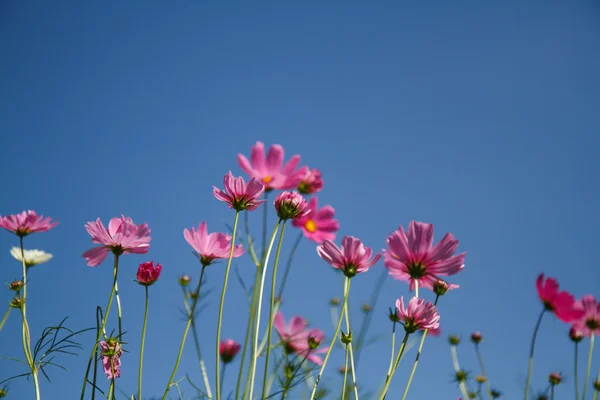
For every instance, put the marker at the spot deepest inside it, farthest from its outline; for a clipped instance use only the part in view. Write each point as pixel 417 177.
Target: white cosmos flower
pixel 32 257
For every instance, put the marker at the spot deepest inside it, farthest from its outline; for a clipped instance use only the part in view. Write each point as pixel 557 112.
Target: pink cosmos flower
pixel 26 222
pixel 210 246
pixel 239 195
pixel 122 236
pixel 562 304
pixel 319 224
pixel 111 359
pixel 297 339
pixel 418 316
pixel 589 322
pixel 352 258
pixel 228 349
pixel 270 170
pixel 148 273
pixel 290 205
pixel 411 256
pixel 311 182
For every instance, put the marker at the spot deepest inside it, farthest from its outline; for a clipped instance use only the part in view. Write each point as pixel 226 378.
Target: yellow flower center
pixel 310 226
pixel 267 179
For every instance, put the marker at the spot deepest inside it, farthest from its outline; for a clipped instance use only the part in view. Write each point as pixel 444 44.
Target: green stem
pixel 487 381
pixel 139 396
pixel 265 219
pixel 388 379
pixel 101 330
pixel 393 348
pixel 99 318
pixel 576 372
pixel 5 318
pixel 461 384
pixel 111 390
pixel 271 307
pixel 197 345
pixel 345 374
pixel 349 346
pixel 250 241
pixel 222 303
pixel 119 313
pixel 259 307
pixel 333 339
pixel 288 266
pixel 589 366
pixel 552 392
pixel 535 332
pixel 185 332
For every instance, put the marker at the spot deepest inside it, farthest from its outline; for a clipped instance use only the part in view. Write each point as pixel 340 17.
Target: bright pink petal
pixel 95 255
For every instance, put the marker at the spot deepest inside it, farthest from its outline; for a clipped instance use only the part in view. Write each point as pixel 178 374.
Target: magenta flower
pixel 411 256
pixel 319 224
pixel 122 236
pixel 562 304
pixel 239 195
pixel 311 182
pixel 26 222
pixel 418 316
pixel 352 258
pixel 290 205
pixel 210 246
pixel 228 349
pixel 148 273
pixel 270 170
pixel 297 339
pixel 111 358
pixel 589 322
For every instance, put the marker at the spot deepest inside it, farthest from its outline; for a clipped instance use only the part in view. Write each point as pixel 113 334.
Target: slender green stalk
pixel 595 394
pixel 119 313
pixel 101 330
pixel 185 332
pixel 250 241
pixel 416 288
pixel 345 373
pixel 388 379
pixel 414 368
pixel 264 230
pixel 461 384
pixel 349 347
pixel 288 266
pixel 222 303
pixel 259 307
pixel 535 332
pixel 393 348
pixel 487 381
pixel 271 307
pixel 552 392
pixel 333 339
pixel 139 396
pixel 589 366
pixel 111 390
pixel 99 318
pixel 576 373
pixel 5 318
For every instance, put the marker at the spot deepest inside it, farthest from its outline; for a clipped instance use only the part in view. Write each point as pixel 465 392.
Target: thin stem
pixel 250 241
pixel 333 339
pixel 487 381
pixel 589 366
pixel 222 303
pixel 101 330
pixel 414 368
pixel 345 373
pixel 393 348
pixel 288 266
pixel 139 396
pixel 119 313
pixel 99 318
pixel 271 307
pixel 197 345
pixel 260 296
pixel 349 346
pixel 111 390
pixel 461 384
pixel 388 379
pixel 185 332
pixel 416 288
pixel 5 318
pixel 576 373
pixel 265 219
pixel 535 332
pixel 552 392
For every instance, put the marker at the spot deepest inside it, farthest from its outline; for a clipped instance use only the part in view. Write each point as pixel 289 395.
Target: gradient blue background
pixel 482 119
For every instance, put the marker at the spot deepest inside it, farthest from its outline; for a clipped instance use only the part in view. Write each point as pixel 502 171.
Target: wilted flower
pixel 148 273
pixel 111 358
pixel 311 182
pixel 352 258
pixel 412 257
pixel 122 236
pixel 562 304
pixel 589 322
pixel 210 246
pixel 297 339
pixel 26 222
pixel 290 205
pixel 239 195
pixel 318 224
pixel 228 349
pixel 32 257
pixel 418 315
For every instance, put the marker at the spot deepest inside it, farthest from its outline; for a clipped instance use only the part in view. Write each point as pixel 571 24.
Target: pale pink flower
pixel 148 273
pixel 297 339
pixel 419 315
pixel 228 349
pixel 311 182
pixel 26 222
pixel 319 224
pixel 122 236
pixel 562 304
pixel 239 195
pixel 352 258
pixel 589 322
pixel 290 205
pixel 412 257
pixel 270 170
pixel 210 246
pixel 111 359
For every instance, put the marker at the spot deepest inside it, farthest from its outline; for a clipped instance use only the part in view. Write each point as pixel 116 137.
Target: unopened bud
pixel 480 379
pixel 440 287
pixel 576 334
pixel 365 308
pixel 335 301
pixel 555 378
pixel 461 376
pixel 597 385
pixel 184 280
pixel 454 340
pixel 347 339
pixel 15 285
pixel 476 337
pixel 393 316
pixel 17 302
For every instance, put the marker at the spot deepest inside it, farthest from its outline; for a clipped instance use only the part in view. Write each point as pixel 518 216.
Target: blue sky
pixel 482 119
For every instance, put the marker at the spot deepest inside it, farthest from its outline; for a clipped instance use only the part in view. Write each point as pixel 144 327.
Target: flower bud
pixel 291 205
pixel 480 379
pixel 461 376
pixel 555 378
pixel 347 339
pixel 597 385
pixel 476 337
pixel 228 349
pixel 184 280
pixel 365 308
pixel 454 340
pixel 335 301
pixel 576 334
pixel 472 395
pixel 393 315
pixel 17 302
pixel 15 285
pixel 440 287
pixel 3 392
pixel 148 273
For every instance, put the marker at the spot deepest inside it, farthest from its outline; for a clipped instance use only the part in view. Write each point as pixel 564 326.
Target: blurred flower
pixel 239 195
pixel 418 315
pixel 297 339
pixel 270 170
pixel 122 236
pixel 210 246
pixel 290 205
pixel 26 222
pixel 32 257
pixel 555 378
pixel 411 257
pixel 434 331
pixel 480 379
pixel 562 304
pixel 111 358
pixel 352 258
pixel 589 322
pixel 311 182
pixel 148 273
pixel 318 224
pixel 228 349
